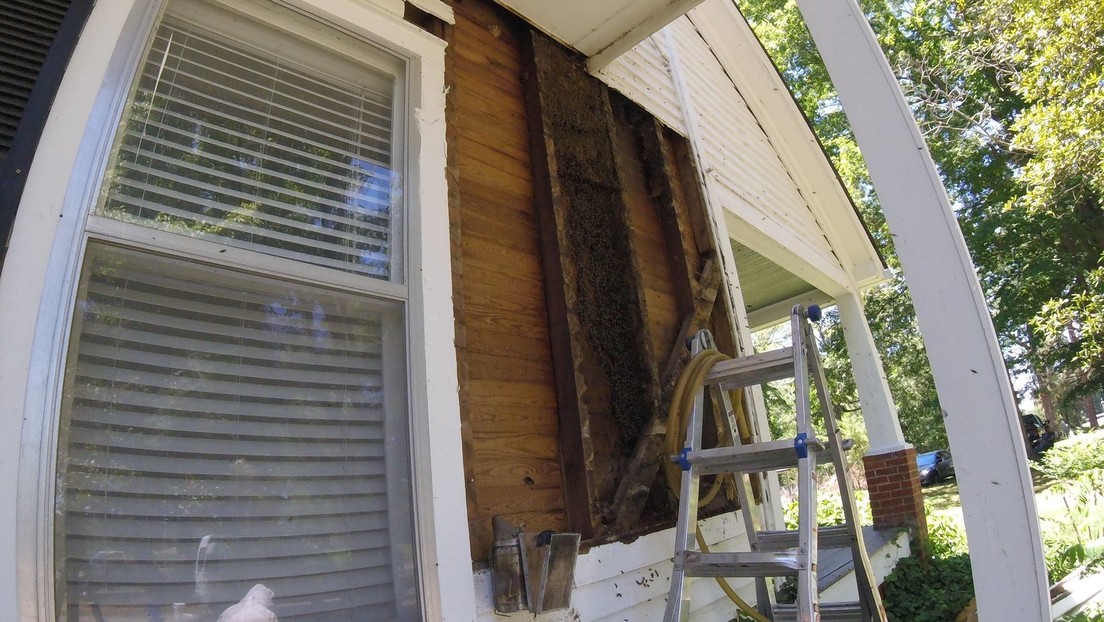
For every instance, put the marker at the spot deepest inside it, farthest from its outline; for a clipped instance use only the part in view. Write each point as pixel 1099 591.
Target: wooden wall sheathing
pixel 507 391
pixel 582 259
pixel 604 365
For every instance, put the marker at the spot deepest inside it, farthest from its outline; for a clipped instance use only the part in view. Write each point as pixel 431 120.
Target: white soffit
pixel 601 29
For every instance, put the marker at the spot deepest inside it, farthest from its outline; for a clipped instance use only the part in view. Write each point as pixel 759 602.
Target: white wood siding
pixel 618 582
pixel 642 75
pixel 750 179
pixel 753 181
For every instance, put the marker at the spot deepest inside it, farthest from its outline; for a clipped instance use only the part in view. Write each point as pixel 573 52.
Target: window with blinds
pixel 237 139
pixel 223 430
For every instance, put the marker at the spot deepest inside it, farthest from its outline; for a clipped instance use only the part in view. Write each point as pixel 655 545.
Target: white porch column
pixel 997 498
pixel 878 410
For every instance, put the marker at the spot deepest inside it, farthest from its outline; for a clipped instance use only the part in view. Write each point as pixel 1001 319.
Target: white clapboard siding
pixel 642 75
pixel 749 177
pixel 738 154
pixel 618 582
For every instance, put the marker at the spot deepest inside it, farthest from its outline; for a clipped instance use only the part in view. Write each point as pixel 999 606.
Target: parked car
pixel 934 466
pixel 1038 433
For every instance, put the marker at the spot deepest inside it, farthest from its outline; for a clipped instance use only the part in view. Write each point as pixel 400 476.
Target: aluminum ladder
pixel 773 553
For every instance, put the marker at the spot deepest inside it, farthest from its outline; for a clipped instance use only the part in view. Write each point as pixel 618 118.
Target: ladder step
pixel 768 456
pixel 827 538
pixel 829 612
pixel 746 371
pixel 743 564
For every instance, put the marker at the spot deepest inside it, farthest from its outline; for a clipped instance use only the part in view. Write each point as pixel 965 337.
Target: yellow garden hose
pixel 682 402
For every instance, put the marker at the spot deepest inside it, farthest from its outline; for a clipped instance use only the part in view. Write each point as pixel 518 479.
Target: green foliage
pixel 1075 536
pixel 889 308
pixel 778 395
pixel 829 507
pixel 1076 458
pixel 1083 357
pixel 946 537
pixel 1009 96
pixel 937 590
pixel 906 363
pixel 932 592
pixel 1094 612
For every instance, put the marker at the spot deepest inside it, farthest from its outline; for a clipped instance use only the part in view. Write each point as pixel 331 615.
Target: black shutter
pixel 37 38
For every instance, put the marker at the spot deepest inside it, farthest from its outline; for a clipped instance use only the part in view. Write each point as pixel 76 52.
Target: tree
pixel 1010 97
pixel 1055 55
pixel 889 308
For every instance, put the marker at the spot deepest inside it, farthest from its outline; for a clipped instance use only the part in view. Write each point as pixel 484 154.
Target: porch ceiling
pixel 770 291
pixel 601 30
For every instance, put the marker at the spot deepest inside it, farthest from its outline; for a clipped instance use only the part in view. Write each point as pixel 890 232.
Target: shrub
pixel 935 591
pixel 1075 537
pixel 1093 612
pixel 830 507
pixel 946 538
pixel 1073 458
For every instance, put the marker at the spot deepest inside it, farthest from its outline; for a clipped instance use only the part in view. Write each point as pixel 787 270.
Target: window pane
pixel 221 431
pixel 283 149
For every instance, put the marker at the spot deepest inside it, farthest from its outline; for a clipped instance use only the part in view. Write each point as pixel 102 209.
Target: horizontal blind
pixel 253 149
pixel 221 431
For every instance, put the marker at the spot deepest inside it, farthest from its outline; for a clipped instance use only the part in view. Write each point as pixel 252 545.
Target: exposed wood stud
pixel 636 482
pixel 576 447
pixel 662 181
pixel 696 293
pixel 679 155
pixel 605 368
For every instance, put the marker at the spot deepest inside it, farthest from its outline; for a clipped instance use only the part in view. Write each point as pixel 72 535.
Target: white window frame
pixel 38 281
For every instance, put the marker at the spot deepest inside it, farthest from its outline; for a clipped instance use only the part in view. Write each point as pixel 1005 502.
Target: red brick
pixel 894 487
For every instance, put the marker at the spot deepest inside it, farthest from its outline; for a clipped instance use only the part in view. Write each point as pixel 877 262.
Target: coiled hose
pixel 682 402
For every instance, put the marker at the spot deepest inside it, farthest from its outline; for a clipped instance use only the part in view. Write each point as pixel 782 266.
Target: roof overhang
pixel 601 30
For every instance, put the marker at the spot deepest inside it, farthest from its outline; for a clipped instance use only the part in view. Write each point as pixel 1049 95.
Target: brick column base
pixel 895 498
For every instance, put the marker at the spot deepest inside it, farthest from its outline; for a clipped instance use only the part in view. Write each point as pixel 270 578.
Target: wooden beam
pixel 636 483
pixel 690 245
pixel 603 364
pixel 674 214
pixel 576 445
pixel 655 21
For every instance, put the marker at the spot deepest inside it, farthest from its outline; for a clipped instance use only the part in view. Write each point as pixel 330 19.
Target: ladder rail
pixel 873 609
pixel 779 553
pixel 678 601
pixel 806 475
pixel 752 524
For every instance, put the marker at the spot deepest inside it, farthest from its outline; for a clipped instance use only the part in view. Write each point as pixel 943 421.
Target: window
pixel 248 145
pixel 234 405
